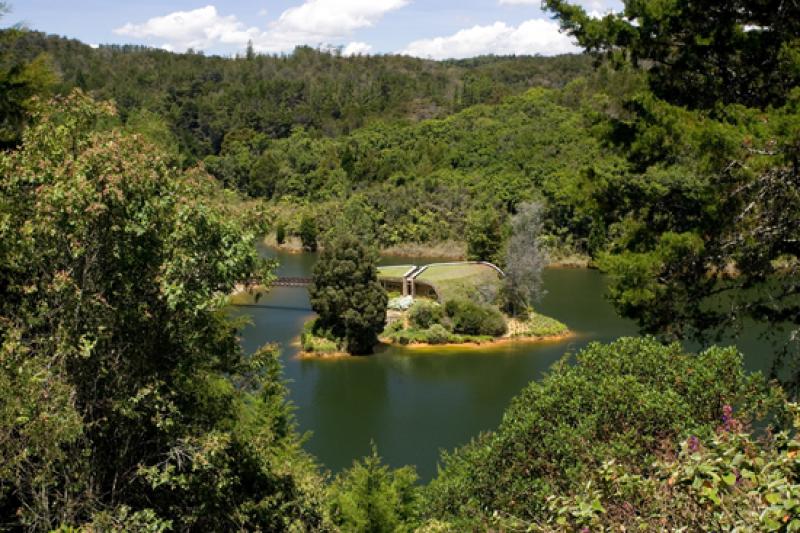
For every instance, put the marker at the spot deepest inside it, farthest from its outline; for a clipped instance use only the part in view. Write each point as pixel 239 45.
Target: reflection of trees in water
pixel 350 407
pixel 488 376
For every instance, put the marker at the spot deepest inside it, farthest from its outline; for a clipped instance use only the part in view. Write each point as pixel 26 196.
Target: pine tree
pixel 346 294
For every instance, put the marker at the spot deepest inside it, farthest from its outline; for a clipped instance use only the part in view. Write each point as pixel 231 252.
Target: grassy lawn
pixel 393 271
pixel 459 281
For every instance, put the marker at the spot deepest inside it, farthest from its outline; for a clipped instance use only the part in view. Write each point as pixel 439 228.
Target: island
pixel 444 304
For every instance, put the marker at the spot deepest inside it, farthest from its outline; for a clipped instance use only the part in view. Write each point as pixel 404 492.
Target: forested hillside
pixel 135 184
pixel 201 99
pixel 613 165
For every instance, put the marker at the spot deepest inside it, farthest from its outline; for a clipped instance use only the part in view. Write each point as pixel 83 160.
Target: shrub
pixel 315 339
pixel 471 318
pixel 280 233
pixel 424 314
pixel 620 403
pixel 393 328
pixel 539 325
pixel 437 334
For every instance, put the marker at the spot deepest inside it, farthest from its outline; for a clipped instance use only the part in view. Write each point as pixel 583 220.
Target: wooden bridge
pixel 291 282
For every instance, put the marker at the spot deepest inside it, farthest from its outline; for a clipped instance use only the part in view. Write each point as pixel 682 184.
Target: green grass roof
pixel 393 271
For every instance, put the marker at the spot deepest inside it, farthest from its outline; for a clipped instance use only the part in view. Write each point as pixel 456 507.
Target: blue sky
pixel 426 28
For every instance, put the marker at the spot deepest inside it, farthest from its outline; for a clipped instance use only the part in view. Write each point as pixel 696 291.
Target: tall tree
pixel 125 399
pixel 346 294
pixel 524 260
pixel 715 248
pixel 308 233
pixel 699 52
pixel 484 235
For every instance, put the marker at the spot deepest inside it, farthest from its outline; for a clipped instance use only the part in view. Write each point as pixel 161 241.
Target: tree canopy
pixel 699 53
pixel 619 403
pixel 125 397
pixel 346 294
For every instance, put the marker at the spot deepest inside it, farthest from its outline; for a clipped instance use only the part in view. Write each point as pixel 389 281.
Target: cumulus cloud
pixel 314 22
pixel 199 28
pixel 533 36
pixel 334 17
pixel 356 49
pixel 322 22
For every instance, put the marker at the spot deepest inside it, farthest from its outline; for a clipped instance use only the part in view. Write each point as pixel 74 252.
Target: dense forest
pixel 135 183
pixel 201 100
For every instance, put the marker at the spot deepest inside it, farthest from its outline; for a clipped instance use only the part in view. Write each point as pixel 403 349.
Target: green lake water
pixel 413 403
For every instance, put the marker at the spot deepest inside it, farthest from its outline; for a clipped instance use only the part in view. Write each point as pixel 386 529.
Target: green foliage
pixel 425 313
pixel 436 334
pixel 155 129
pixel 346 294
pixel 539 325
pixel 371 497
pixel 127 399
pixel 205 98
pixel 420 183
pixel 484 232
pixel 472 318
pixel 638 287
pixel 622 402
pixel 308 233
pixel 317 340
pixel 724 252
pixel 20 81
pixel 280 233
pixel 732 481
pixel 699 53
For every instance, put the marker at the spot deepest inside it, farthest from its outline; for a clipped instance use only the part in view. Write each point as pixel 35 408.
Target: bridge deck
pixel 292 282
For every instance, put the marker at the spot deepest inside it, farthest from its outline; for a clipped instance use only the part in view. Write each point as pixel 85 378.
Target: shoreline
pixel 385 344
pixel 499 341
pixel 454 251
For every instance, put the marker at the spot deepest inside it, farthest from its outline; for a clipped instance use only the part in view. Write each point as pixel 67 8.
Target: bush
pixel 470 318
pixel 622 402
pixel 315 339
pixel 393 328
pixel 539 325
pixel 280 233
pixel 437 334
pixel 424 314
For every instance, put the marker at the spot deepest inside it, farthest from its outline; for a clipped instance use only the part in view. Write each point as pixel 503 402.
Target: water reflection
pixel 413 403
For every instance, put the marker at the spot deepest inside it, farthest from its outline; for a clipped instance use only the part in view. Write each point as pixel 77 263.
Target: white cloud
pixel 314 22
pixel 320 22
pixel 356 49
pixel 533 36
pixel 200 29
pixel 334 17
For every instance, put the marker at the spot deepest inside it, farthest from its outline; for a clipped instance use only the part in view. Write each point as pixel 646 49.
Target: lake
pixel 414 403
